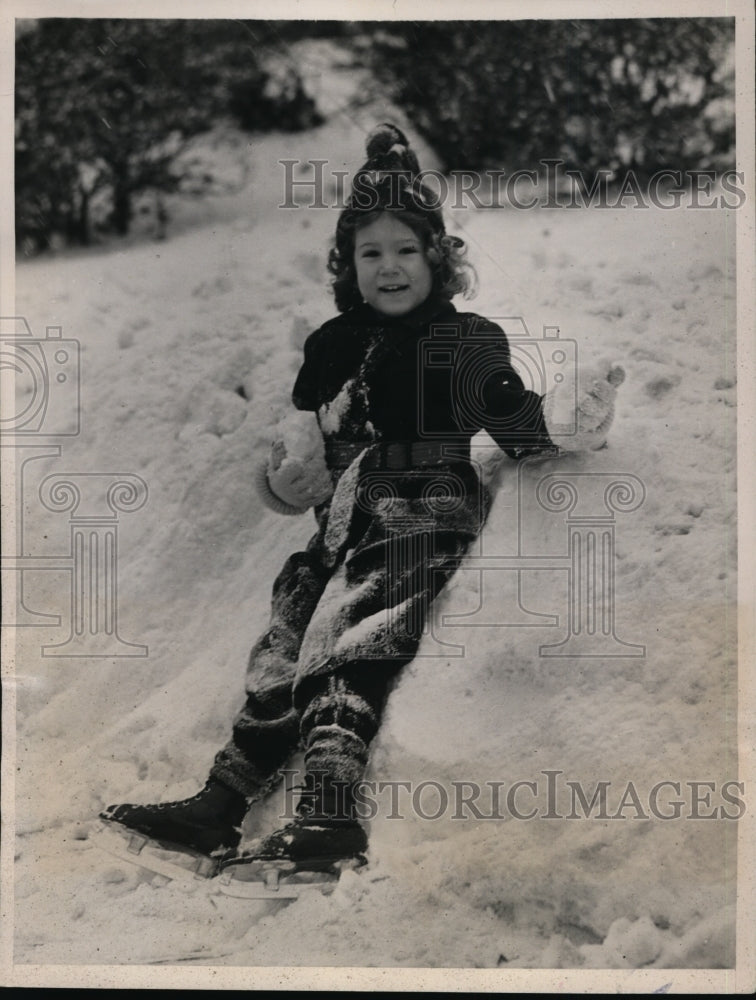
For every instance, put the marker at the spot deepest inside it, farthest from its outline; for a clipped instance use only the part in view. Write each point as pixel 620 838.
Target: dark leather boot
pixel 324 831
pixel 209 822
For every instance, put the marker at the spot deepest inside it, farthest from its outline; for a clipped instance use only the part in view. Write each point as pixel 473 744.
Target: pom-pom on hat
pixel 390 179
pixel 387 144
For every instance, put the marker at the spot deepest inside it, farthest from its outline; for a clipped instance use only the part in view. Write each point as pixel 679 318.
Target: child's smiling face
pixel 394 275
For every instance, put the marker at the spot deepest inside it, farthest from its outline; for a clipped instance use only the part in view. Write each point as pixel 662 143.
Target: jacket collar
pixel 433 307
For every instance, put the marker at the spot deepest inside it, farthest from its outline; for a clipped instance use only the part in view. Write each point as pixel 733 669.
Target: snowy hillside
pixel 189 348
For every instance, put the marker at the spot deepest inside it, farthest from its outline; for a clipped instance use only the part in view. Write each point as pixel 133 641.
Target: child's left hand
pixel 580 411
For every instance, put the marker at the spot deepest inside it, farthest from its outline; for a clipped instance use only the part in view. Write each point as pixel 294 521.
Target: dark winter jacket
pixel 434 375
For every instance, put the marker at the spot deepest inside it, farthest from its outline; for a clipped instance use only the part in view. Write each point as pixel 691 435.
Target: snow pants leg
pixel 266 730
pixel 342 626
pixel 371 618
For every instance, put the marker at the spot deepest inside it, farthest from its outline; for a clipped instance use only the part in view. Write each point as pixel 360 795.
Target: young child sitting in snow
pixel 397 501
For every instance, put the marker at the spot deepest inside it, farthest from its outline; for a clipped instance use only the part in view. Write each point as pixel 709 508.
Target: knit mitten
pixel 295 476
pixel 579 411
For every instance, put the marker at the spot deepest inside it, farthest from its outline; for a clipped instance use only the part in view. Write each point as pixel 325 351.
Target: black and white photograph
pixel 378 512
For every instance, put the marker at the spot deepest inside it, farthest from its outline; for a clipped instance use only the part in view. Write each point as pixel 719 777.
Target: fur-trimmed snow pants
pixel 347 613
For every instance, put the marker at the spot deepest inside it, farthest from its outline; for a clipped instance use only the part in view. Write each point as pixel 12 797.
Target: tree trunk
pixel 83 227
pixel 121 213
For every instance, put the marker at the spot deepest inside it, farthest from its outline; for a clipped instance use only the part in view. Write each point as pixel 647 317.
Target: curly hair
pixel 452 273
pixel 390 182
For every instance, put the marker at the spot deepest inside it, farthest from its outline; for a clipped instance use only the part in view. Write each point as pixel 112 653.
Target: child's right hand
pixel 295 476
